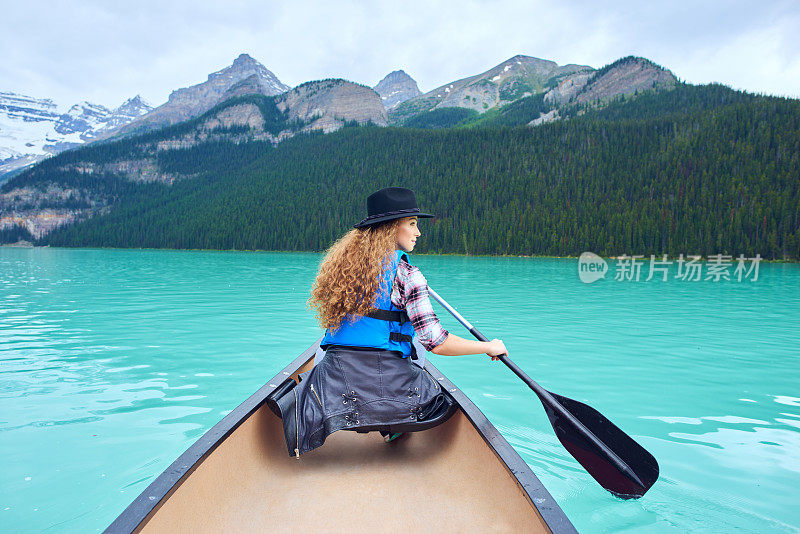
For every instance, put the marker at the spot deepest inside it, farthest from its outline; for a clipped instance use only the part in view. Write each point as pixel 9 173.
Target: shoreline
pixel 27 244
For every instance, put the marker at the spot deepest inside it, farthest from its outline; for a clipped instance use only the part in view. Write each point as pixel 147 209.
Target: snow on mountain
pixel 32 129
pixel 82 118
pixel 25 124
pixel 128 111
pixel 132 108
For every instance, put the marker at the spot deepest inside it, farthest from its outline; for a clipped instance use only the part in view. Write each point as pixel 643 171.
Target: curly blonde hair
pixel 352 272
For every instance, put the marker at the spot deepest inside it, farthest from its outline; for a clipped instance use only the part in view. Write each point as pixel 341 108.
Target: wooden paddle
pixel 613 458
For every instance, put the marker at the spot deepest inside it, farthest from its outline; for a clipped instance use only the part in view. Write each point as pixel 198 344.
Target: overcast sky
pixel 107 51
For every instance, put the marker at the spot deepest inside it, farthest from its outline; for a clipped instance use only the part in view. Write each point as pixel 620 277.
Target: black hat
pixel 391 203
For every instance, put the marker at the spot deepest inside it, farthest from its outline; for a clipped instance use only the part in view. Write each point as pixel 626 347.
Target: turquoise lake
pixel 113 362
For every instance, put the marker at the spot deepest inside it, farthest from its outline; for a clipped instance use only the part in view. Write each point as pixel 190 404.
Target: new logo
pixel 591 267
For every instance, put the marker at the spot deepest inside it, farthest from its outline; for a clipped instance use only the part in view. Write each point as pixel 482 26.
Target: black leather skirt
pixel 362 390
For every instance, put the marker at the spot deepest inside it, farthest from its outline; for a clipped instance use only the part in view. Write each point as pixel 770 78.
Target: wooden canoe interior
pixel 446 479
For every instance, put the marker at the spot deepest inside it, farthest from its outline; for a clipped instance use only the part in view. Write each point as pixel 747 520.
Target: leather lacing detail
pixel 351 419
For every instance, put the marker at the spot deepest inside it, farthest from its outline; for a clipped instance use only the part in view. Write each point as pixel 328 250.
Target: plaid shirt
pixel 410 293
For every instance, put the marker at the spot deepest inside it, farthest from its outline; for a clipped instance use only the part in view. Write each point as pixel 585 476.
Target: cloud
pixel 106 52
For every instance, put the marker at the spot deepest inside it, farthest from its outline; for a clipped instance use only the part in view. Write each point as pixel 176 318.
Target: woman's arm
pixel 458 346
pixel 410 292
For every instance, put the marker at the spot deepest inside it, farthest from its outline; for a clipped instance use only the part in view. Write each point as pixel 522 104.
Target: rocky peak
pixel 624 77
pixel 133 107
pixel 243 67
pixel 189 102
pixel 396 76
pixel 327 104
pixel 530 63
pixel 244 61
pixel 82 117
pixel 396 87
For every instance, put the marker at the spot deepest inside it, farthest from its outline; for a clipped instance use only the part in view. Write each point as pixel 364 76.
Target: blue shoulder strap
pixel 396 316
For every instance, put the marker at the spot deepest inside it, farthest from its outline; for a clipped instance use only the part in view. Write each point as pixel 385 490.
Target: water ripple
pixel 114 361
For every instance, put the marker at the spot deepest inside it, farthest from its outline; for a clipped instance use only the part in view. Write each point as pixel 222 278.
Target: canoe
pixel 460 476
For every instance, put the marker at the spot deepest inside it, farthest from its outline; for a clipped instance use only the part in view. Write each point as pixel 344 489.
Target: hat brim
pixel 376 220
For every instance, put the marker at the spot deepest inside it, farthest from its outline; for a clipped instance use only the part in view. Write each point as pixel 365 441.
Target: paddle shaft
pixel 543 394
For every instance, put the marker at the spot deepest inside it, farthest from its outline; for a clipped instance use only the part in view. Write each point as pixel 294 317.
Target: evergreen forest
pixel 694 170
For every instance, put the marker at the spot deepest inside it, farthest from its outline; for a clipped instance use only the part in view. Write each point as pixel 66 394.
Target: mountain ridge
pixel 188 102
pixel 523 76
pixel 649 174
pixel 254 119
pixel 514 79
pixel 94 180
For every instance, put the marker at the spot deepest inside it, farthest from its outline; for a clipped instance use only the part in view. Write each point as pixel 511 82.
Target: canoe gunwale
pixel 138 512
pixel 149 500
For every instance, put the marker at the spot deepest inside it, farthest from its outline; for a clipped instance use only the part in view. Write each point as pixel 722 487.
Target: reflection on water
pixel 115 361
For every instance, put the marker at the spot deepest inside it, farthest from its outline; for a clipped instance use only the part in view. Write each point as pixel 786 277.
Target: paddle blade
pixel 597 462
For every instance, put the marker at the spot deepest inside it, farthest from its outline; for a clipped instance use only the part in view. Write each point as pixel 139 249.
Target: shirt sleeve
pixel 410 292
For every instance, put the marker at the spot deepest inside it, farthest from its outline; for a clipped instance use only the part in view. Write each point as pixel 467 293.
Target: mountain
pixel 523 77
pixel 511 80
pixel 575 184
pixel 131 109
pixel 627 76
pixel 32 129
pixel 328 104
pixel 697 168
pixel 90 180
pixel 625 79
pixel 189 102
pixel 395 88
pixel 90 121
pixel 82 119
pixel 26 126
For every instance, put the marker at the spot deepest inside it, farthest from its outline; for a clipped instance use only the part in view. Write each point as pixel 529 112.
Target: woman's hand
pixel 496 349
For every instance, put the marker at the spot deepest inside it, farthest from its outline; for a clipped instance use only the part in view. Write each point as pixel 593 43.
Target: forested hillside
pixel 696 170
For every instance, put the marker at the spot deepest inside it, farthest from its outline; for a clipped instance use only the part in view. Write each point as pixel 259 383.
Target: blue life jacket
pixel 387 328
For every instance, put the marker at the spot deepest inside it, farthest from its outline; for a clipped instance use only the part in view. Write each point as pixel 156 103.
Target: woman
pixel 372 303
